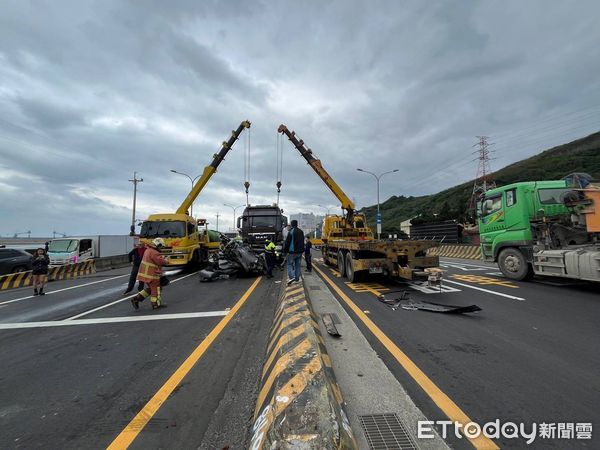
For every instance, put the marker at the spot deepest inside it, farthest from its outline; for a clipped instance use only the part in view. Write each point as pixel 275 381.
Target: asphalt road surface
pixel 82 369
pixel 531 355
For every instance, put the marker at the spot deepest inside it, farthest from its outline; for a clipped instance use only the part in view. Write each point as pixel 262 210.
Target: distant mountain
pixel 582 155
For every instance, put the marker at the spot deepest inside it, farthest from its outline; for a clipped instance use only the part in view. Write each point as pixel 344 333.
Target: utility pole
pixel 218 215
pixel 482 182
pixel 135 182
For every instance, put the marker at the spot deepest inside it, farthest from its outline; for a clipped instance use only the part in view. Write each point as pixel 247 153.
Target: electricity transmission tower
pixel 482 181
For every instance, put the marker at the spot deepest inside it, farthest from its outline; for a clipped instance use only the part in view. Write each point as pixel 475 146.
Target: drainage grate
pixel 315 288
pixel 386 432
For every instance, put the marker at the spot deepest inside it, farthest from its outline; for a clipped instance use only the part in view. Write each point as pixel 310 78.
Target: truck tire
pixel 352 275
pixel 341 263
pixel 513 265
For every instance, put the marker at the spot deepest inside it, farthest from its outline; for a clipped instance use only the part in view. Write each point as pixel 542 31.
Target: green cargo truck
pixel 542 228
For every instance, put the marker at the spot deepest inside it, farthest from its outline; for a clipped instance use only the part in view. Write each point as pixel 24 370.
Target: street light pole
pixel 218 215
pixel 135 182
pixel 234 210
pixel 378 178
pixel 193 180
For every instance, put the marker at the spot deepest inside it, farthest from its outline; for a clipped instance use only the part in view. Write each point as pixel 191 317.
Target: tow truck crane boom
pixel 347 204
pixel 211 168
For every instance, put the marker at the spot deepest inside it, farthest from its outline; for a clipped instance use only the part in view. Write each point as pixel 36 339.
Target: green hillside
pixel 582 155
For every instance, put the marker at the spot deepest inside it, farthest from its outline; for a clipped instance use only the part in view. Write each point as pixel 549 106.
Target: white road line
pixel 62 323
pixel 426 289
pixel 445 261
pixel 65 289
pixel 485 290
pixel 464 268
pixel 119 301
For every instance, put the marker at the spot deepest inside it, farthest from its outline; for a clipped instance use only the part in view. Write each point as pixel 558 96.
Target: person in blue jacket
pixel 294 248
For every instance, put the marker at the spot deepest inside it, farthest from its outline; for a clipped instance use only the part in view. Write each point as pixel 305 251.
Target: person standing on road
pixel 150 273
pixel 284 234
pixel 269 257
pixel 307 254
pixel 39 271
pixel 135 258
pixel 294 247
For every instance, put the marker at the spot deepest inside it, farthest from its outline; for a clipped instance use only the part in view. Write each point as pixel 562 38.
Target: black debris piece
pixel 412 305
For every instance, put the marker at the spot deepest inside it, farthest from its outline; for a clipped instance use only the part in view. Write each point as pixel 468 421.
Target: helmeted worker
pixel 150 273
pixel 269 257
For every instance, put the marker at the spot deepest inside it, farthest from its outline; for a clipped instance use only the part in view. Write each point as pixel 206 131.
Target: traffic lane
pixel 62 304
pixel 489 364
pixel 214 408
pixel 185 294
pixel 560 313
pixel 53 288
pixel 71 303
pixel 78 386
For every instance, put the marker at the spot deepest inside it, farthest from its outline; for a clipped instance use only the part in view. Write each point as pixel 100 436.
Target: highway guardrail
pixel 300 404
pixel 68 271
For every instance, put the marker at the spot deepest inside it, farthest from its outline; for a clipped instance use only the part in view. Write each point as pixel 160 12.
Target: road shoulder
pixel 367 385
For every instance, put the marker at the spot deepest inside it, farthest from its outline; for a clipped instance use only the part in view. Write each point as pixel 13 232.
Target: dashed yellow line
pixel 137 424
pixel 448 407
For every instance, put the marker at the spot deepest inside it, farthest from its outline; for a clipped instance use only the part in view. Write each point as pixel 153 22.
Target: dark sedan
pixel 13 260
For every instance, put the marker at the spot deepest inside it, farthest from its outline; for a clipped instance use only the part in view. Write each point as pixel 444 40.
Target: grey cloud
pixel 92 91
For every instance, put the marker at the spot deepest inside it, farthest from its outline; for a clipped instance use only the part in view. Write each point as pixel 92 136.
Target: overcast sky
pixel 91 91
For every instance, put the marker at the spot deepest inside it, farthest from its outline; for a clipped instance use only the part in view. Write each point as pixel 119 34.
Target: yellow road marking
pixel 478 279
pixel 451 409
pixel 373 288
pixel 131 431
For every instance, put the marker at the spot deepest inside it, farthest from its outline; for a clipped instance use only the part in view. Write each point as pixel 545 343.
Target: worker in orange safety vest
pixel 150 273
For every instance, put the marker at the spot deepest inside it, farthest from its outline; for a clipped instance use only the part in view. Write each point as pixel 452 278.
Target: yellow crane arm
pixel 211 169
pixel 347 204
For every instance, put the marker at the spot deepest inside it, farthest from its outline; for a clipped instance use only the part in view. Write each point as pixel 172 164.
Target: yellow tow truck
pixel 189 241
pixel 348 242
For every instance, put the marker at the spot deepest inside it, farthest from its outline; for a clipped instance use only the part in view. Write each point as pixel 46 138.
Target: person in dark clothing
pixel 269 257
pixel 46 247
pixel 294 247
pixel 39 271
pixel 307 254
pixel 135 258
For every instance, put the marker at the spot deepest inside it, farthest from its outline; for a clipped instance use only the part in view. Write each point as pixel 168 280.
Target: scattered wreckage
pixel 403 301
pixel 234 258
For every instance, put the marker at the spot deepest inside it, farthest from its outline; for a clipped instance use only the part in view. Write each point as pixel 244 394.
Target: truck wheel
pixel 513 264
pixel 352 275
pixel 341 262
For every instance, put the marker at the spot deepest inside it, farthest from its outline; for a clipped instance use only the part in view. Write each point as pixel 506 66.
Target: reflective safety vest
pixel 150 266
pixel 270 248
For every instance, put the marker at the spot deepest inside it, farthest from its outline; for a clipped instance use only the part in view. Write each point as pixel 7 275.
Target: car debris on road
pixel 234 258
pixel 406 303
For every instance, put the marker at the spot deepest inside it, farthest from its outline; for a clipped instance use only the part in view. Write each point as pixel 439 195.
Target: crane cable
pixel 279 168
pixel 247 164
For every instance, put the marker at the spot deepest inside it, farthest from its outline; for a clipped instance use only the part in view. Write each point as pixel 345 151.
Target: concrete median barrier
pixel 456 251
pixel 300 404
pixel 68 271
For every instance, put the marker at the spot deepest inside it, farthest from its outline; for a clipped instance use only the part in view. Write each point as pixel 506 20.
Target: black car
pixel 13 260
